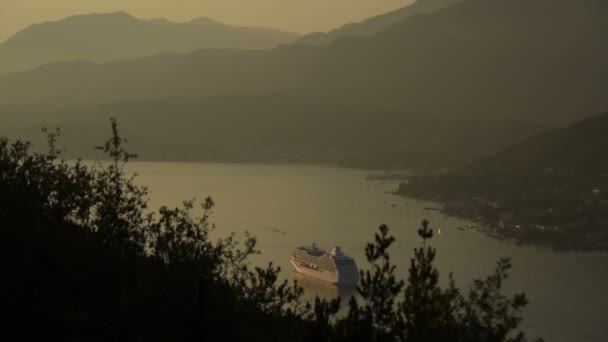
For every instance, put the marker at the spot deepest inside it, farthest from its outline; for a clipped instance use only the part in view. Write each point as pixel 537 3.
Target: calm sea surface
pixel 287 206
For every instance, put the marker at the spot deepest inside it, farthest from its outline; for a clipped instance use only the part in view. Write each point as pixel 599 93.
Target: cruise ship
pixel 334 267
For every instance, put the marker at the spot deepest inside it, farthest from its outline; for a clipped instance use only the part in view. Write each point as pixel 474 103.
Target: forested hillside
pixel 276 129
pixel 554 184
pixel 84 259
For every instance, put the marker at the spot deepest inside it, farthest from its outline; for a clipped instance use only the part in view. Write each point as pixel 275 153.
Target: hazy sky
pixel 294 15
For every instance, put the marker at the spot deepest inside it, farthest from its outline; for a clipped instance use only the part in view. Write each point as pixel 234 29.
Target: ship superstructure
pixel 334 267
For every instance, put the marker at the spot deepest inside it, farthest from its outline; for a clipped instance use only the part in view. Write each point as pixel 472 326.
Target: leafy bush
pixel 83 258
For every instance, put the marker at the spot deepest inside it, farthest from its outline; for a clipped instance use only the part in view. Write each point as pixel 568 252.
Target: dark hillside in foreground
pixel 82 260
pixel 375 24
pixel 488 59
pixel 112 36
pixel 554 183
pixel 277 129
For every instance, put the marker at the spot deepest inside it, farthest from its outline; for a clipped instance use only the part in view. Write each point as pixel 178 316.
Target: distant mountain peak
pixel 108 36
pixel 377 23
pixel 206 21
pixel 118 15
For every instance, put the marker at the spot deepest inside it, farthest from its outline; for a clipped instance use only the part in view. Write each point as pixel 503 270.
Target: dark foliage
pixel 424 311
pixel 82 258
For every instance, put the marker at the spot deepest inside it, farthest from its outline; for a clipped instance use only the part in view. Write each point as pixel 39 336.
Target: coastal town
pixel 564 223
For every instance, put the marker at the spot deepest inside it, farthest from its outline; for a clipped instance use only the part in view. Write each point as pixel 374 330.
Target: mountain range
pixel 550 188
pixel 435 90
pixel 551 163
pixel 274 128
pixel 111 36
pixel 540 60
pixel 375 24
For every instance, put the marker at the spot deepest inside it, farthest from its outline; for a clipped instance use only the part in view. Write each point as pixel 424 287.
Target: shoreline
pixel 583 236
pixel 525 235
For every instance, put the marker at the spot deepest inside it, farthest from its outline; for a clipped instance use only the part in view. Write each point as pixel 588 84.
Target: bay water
pixel 286 206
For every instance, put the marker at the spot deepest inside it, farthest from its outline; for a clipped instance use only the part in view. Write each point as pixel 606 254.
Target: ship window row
pixel 325 269
pixel 315 260
pixel 314 256
pixel 326 263
pixel 330 266
pixel 317 266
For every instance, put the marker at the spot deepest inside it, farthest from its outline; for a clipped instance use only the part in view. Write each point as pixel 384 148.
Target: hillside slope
pixel 375 24
pixel 573 155
pixel 550 188
pixel 480 58
pixel 275 129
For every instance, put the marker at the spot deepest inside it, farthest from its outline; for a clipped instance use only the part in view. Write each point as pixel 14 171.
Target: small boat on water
pixel 334 267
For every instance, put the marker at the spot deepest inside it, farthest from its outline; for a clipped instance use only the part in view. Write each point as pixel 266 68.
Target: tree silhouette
pixel 428 312
pixel 379 286
pixel 84 258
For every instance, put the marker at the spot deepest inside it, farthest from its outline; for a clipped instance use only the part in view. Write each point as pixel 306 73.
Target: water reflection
pixel 314 287
pixel 337 206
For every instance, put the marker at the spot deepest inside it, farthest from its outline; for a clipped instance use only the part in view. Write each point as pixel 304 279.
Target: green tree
pixel 379 287
pixel 119 203
pixel 427 312
pixel 489 315
pixel 84 258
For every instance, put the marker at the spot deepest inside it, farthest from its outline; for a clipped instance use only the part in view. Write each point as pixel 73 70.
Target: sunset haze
pixel 294 16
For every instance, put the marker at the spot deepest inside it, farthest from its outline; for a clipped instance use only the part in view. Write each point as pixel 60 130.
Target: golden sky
pixel 300 16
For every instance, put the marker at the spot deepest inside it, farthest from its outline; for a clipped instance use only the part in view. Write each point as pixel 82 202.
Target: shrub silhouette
pixel 83 258
pixel 419 309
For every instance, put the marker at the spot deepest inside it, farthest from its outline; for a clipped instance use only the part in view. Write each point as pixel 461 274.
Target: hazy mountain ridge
pixel 516 58
pixel 575 150
pixel 112 36
pixel 551 188
pixel 375 24
pixel 488 59
pixel 276 128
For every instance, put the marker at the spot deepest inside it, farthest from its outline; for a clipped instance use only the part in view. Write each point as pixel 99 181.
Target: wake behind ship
pixel 334 267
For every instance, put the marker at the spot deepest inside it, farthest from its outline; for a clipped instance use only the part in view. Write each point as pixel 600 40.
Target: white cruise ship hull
pixel 325 275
